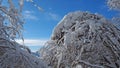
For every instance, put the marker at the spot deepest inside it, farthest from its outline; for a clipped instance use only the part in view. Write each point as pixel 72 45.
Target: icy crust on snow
pixel 83 40
pixel 13 55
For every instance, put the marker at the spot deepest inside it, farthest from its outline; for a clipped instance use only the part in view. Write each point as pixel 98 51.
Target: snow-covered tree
pixel 11 22
pixel 83 40
pixel 114 4
pixel 12 54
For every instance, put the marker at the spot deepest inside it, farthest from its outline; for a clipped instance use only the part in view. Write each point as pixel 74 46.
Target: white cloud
pixel 27 12
pixel 29 15
pixel 32 42
pixel 54 16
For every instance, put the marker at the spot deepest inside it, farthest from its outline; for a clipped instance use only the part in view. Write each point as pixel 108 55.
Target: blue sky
pixel 39 25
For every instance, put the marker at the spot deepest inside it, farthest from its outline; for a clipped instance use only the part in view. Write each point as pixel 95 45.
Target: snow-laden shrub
pixel 83 40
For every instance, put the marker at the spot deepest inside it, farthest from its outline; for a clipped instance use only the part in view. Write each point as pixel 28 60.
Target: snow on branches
pixel 12 54
pixel 114 4
pixel 82 39
pixel 11 22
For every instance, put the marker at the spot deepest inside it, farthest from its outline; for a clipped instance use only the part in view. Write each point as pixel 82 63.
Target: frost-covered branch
pixel 114 4
pixel 36 5
pixel 11 20
pixel 12 54
pixel 83 39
